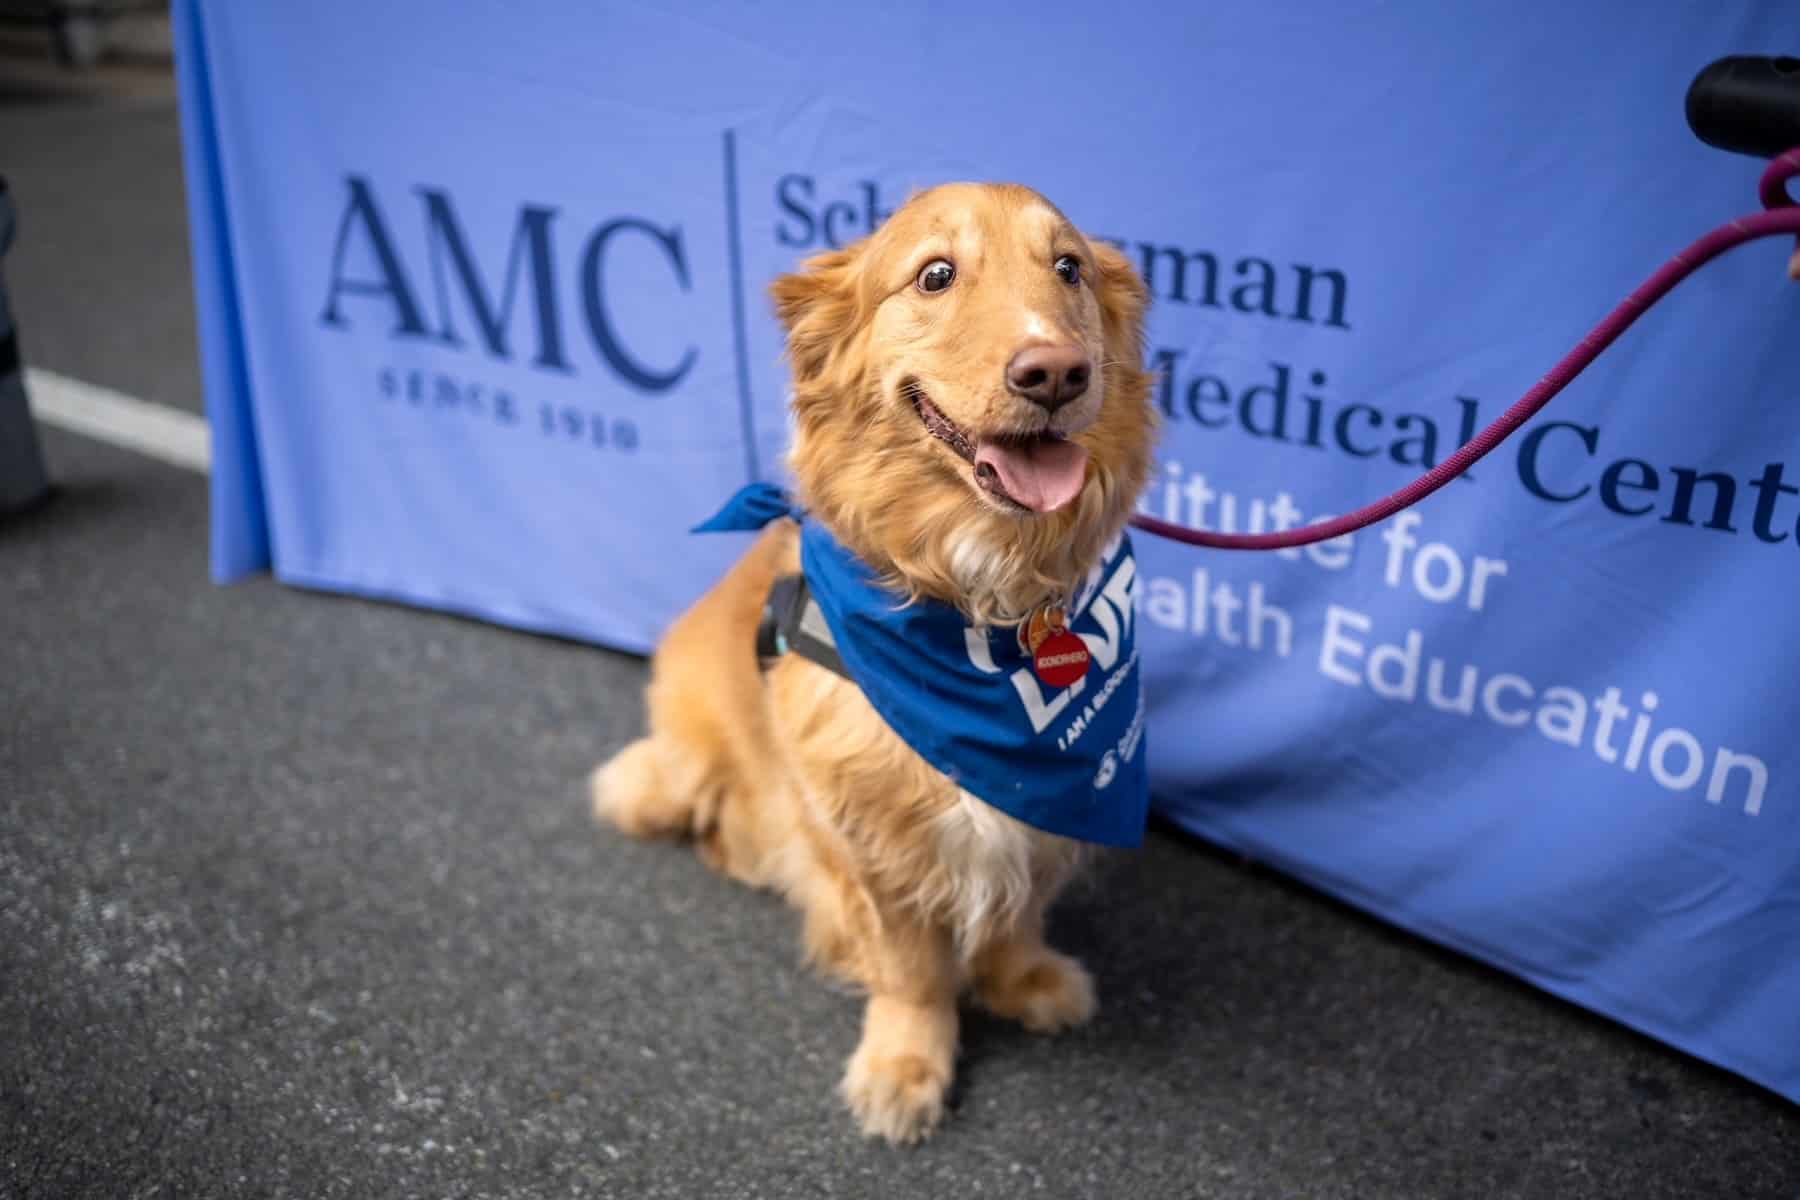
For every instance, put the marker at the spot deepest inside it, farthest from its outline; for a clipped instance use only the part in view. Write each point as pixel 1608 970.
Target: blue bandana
pixel 1069 761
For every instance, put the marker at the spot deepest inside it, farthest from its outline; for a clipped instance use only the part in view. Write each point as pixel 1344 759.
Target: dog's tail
pixel 710 765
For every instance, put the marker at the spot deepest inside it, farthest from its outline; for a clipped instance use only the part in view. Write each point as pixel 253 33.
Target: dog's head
pixel 972 413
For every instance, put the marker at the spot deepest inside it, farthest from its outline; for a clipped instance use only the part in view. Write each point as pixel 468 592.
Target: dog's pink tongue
pixel 1042 475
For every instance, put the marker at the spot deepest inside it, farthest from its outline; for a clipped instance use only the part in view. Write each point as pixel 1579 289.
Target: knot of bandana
pixel 754 506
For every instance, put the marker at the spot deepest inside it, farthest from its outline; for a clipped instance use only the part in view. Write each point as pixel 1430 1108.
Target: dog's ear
pixel 1123 302
pixel 820 305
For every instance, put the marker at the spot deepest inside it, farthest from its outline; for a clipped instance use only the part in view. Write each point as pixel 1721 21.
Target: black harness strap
pixel 793 623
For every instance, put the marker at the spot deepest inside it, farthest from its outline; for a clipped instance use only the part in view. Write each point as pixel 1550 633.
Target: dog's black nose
pixel 1049 376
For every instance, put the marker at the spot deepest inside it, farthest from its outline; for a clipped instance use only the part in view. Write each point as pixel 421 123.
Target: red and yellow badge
pixel 1057 656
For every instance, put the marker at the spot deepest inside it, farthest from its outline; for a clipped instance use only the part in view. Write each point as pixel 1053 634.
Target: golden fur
pixel 787 778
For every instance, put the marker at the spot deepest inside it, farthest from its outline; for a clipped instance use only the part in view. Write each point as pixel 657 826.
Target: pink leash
pixel 1783 216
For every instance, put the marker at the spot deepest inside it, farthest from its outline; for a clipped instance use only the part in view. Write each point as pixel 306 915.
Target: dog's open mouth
pixel 1039 471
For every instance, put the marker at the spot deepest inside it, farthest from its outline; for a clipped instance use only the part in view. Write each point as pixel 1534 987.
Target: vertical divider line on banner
pixel 740 341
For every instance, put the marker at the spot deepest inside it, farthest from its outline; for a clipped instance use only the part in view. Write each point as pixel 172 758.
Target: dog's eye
pixel 936 276
pixel 1069 267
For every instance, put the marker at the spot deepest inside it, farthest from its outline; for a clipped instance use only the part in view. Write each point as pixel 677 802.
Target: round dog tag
pixel 1060 659
pixel 1039 625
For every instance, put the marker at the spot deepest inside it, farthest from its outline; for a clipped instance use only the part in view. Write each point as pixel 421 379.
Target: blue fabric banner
pixel 485 328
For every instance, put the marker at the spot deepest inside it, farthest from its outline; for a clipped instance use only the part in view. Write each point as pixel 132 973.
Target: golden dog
pixel 973 422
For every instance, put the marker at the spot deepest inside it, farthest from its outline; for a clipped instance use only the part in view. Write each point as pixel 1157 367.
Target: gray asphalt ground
pixel 299 897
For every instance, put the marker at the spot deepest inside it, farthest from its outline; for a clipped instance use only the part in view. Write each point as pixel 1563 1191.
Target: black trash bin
pixel 22 478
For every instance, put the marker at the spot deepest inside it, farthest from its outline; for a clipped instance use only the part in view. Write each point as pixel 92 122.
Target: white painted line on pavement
pixel 93 411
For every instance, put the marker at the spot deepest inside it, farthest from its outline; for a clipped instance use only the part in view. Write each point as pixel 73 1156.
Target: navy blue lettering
pixel 1769 487
pixel 1613 479
pixel 1278 395
pixel 1471 409
pixel 1220 397
pixel 1724 498
pixel 1340 288
pixel 876 215
pixel 1426 442
pixel 1315 412
pixel 1262 287
pixel 1148 253
pixel 1342 428
pixel 531 243
pixel 1528 455
pixel 788 193
pixel 833 211
pixel 393 282
pixel 593 296
pixel 1163 364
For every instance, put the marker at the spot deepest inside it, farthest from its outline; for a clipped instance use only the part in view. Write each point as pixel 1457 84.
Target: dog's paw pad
pixel 900 1098
pixel 1050 994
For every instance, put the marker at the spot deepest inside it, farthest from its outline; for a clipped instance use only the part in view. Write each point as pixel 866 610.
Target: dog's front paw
pixel 628 791
pixel 1046 992
pixel 898 1097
